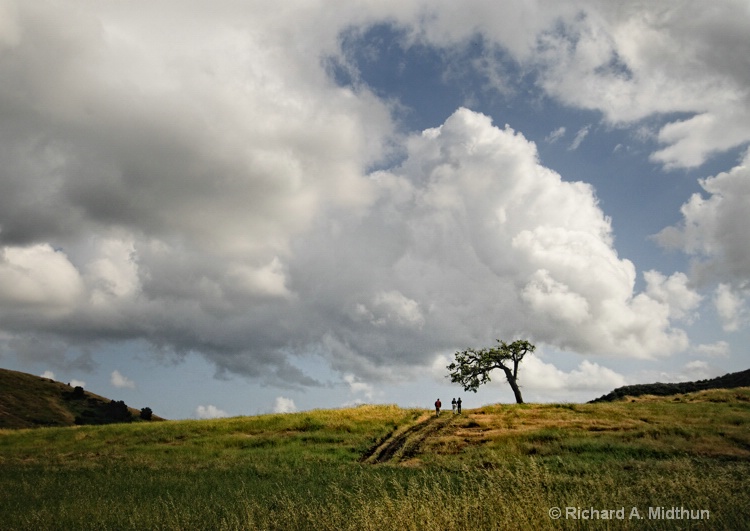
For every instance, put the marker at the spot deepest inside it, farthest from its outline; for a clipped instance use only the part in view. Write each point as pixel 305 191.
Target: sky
pixel 243 207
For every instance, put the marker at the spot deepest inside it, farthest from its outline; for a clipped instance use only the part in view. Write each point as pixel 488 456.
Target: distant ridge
pixel 30 401
pixel 728 381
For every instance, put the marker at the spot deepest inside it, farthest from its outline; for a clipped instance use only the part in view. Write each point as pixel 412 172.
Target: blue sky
pixel 226 210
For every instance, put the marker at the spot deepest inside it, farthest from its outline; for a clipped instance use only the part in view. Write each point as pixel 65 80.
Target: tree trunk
pixel 516 390
pixel 513 385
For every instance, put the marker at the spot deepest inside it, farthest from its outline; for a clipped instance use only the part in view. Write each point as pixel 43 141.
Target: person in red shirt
pixel 438 405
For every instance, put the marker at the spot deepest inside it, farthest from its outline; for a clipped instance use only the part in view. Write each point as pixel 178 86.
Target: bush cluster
pixel 118 411
pixel 728 381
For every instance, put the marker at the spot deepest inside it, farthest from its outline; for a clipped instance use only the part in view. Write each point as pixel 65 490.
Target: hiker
pixel 438 405
pixel 458 404
pixel 453 403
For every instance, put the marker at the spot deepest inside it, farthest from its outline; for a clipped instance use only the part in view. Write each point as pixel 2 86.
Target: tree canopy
pixel 472 367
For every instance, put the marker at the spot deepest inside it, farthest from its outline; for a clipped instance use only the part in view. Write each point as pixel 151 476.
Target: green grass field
pixel 382 467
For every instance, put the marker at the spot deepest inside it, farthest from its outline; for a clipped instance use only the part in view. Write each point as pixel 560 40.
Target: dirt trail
pixel 403 444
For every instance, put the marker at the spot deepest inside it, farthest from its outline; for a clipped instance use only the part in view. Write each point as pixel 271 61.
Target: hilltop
pixel 728 381
pixel 29 401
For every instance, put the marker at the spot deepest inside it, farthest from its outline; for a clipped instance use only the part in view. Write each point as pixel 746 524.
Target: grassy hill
pixel 28 401
pixel 383 467
pixel 728 381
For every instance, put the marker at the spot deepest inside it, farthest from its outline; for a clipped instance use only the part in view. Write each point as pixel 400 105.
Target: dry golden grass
pixel 709 423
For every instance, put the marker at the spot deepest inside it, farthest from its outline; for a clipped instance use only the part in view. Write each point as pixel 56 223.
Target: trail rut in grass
pixel 406 443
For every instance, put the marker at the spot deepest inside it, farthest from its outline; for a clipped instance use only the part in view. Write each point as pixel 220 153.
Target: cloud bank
pixel 191 176
pixel 469 238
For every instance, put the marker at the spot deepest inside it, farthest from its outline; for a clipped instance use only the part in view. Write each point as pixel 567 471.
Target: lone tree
pixel 472 367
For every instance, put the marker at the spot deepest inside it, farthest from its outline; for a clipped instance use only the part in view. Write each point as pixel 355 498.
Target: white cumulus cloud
pixel 611 57
pixel 731 307
pixel 358 387
pixel 673 291
pixel 38 279
pixel 713 232
pixel 284 405
pixel 210 412
pixel 120 381
pixel 539 377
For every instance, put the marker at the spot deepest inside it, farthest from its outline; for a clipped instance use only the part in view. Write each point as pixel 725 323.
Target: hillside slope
pixel 728 381
pixel 29 401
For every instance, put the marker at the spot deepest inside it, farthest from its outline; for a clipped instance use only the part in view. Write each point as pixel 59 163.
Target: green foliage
pixel 118 411
pixel 472 367
pixel 146 413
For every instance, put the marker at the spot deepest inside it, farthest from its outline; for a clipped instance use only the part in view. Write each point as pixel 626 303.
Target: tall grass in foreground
pixel 516 494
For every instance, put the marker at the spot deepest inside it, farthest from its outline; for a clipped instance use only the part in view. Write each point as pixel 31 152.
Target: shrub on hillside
pixel 118 411
pixel 146 413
